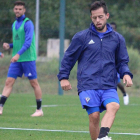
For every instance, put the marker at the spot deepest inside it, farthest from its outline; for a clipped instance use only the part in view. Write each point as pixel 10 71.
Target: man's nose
pixel 98 19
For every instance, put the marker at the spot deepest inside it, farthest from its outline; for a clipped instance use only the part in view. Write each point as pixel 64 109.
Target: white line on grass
pixel 54 105
pixel 134 104
pixel 125 133
pixel 69 131
pixel 44 130
pixel 74 105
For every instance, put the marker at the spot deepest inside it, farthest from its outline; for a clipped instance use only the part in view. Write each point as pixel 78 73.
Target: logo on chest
pixel 91 42
pixel 17 37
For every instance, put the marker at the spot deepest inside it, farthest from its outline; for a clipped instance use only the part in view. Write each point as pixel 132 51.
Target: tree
pixel 125 14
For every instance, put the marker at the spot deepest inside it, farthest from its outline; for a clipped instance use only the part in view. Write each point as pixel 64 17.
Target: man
pixel 119 85
pixel 101 53
pixel 23 57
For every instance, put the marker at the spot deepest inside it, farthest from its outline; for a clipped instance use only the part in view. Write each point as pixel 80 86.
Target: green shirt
pixel 18 41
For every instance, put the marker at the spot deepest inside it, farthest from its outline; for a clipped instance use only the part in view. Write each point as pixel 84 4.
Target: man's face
pixel 99 19
pixel 19 10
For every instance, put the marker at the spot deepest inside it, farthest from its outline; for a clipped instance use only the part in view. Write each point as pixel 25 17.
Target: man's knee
pixel 113 106
pixel 34 83
pixel 9 81
pixel 94 117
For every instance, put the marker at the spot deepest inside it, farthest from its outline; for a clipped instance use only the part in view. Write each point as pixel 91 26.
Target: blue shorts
pixel 28 68
pixel 96 100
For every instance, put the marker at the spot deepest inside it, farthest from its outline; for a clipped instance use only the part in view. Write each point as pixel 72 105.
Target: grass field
pixel 63 119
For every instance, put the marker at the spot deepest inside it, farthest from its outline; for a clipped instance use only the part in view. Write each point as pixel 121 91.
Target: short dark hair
pixel 98 4
pixel 19 3
pixel 113 23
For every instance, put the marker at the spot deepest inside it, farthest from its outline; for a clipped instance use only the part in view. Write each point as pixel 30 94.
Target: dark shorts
pixel 28 68
pixel 97 99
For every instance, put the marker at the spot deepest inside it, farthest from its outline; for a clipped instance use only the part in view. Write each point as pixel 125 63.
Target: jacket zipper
pixel 101 66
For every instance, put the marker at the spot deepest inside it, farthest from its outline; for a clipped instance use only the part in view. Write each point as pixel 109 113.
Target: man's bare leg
pixel 6 92
pixel 38 94
pixel 108 119
pixel 94 119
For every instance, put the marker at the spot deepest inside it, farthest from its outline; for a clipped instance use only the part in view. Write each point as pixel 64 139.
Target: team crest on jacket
pixel 87 99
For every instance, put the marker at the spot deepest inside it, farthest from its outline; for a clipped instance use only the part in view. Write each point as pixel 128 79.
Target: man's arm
pixel 11 45
pixel 122 59
pixel 122 63
pixel 6 46
pixel 65 84
pixel 127 80
pixel 70 57
pixel 1 55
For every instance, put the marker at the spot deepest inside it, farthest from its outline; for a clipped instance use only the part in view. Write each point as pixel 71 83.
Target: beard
pixel 100 28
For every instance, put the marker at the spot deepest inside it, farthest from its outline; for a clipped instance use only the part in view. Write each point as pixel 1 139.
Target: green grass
pixel 47 77
pixel 67 115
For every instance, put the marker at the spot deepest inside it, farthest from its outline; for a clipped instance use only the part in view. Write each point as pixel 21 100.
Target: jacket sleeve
pixel 122 59
pixel 70 57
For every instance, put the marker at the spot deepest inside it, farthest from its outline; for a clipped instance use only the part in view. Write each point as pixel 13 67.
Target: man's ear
pixel 107 15
pixel 24 9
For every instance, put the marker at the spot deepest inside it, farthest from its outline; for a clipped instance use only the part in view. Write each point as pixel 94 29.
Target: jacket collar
pixel 20 18
pixel 93 29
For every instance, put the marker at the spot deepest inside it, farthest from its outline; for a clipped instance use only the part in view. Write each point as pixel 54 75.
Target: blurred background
pixel 126 14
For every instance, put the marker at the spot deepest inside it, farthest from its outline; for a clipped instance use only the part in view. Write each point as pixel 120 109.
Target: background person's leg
pixel 38 95
pixel 121 87
pixel 6 92
pixel 125 95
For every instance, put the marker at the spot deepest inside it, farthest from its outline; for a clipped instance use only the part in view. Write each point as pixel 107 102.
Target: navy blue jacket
pixel 99 60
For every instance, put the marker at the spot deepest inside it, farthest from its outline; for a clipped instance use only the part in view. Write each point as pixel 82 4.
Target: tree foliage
pixel 77 17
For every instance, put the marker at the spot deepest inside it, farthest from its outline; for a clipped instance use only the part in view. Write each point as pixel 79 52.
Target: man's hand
pixel 127 79
pixel 6 46
pixel 2 55
pixel 65 84
pixel 15 58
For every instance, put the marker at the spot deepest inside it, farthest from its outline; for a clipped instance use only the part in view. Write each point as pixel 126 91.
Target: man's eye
pixel 100 16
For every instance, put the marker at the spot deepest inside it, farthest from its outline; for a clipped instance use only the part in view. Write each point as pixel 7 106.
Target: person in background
pixel 101 53
pixel 120 85
pixel 23 57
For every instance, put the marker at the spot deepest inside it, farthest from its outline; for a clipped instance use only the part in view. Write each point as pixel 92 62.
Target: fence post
pixel 61 36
